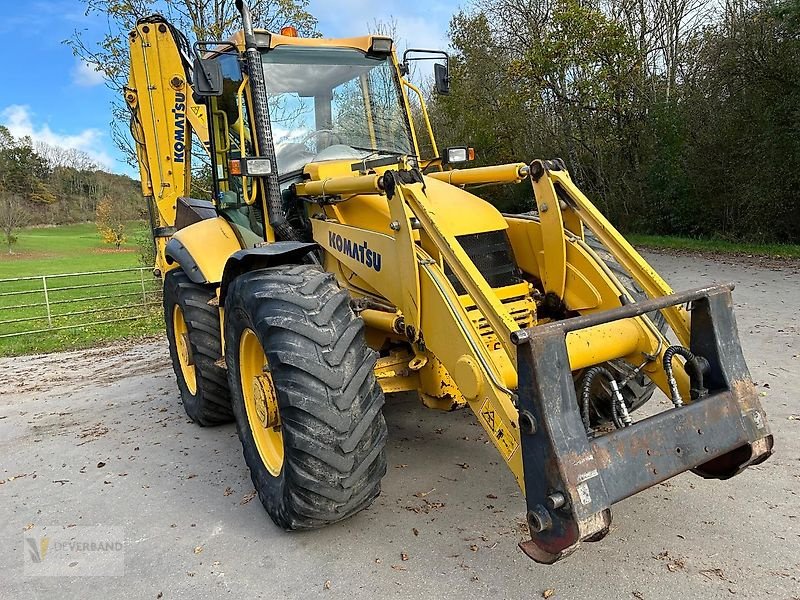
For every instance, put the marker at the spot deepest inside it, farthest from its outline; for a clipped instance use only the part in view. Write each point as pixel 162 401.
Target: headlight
pixel 457 154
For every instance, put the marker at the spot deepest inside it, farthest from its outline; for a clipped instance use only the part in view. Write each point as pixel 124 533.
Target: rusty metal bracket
pixel 571 481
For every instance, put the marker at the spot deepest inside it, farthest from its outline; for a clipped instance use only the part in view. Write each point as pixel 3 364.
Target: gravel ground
pixel 98 437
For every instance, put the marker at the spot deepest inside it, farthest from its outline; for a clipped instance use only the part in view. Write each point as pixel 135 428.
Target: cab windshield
pixel 328 104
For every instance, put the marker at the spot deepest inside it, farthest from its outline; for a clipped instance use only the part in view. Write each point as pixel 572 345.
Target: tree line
pixel 42 184
pixel 195 19
pixel 675 116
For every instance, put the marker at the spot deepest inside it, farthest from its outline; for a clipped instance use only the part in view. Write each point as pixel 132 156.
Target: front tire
pixel 307 405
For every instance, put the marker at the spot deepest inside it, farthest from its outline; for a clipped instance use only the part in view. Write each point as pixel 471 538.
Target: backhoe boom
pixel 164 120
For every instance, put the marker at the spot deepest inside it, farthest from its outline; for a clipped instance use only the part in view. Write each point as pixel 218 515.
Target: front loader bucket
pixel 571 481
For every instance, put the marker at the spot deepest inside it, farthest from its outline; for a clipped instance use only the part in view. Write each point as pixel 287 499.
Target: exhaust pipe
pixel 266 145
pixel 247 23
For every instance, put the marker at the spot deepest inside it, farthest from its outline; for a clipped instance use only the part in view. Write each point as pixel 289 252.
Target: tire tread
pixel 330 402
pixel 211 405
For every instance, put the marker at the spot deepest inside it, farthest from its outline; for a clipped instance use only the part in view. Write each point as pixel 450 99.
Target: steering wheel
pixel 318 133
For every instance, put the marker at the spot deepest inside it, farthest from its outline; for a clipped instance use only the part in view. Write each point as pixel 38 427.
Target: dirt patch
pixel 26 255
pixel 72 370
pixel 100 437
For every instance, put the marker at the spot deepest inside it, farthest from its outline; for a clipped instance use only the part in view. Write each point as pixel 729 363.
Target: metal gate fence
pixel 43 303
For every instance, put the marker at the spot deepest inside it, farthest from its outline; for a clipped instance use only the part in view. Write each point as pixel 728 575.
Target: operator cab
pixel 325 104
pixel 328 101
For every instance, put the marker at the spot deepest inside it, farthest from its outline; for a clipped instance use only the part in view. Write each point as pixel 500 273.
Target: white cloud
pixel 419 25
pixel 19 121
pixel 85 75
pixel 418 32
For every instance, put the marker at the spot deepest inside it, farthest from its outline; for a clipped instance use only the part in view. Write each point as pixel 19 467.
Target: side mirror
pixel 207 79
pixel 441 78
pixel 440 71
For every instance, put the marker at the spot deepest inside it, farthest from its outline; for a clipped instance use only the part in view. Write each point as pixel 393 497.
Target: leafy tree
pixel 559 80
pixel 197 19
pixel 738 118
pixel 22 175
pixel 44 184
pixel 674 117
pixel 12 217
pixel 22 170
pixel 111 222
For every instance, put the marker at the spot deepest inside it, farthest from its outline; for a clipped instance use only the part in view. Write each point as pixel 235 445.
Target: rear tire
pixel 195 345
pixel 329 403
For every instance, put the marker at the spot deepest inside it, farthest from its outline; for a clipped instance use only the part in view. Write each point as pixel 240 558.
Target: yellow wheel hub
pixel 181 333
pixel 260 401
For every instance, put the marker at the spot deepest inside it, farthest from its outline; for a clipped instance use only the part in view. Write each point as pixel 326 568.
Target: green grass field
pixel 114 297
pixel 66 249
pixel 713 245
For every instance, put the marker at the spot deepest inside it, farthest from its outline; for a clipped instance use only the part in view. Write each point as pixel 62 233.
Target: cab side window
pixel 231 130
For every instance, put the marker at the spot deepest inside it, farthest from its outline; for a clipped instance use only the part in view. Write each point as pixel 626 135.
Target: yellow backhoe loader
pixel 334 264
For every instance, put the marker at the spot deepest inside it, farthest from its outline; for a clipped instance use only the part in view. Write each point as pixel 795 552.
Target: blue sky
pixel 48 94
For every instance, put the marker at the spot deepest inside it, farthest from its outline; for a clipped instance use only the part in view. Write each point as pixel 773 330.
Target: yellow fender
pixel 203 248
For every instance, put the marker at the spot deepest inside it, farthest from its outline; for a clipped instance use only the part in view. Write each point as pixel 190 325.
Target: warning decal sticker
pixel 504 440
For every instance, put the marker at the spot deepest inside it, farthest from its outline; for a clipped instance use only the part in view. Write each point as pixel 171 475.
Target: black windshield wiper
pixel 380 151
pixel 366 163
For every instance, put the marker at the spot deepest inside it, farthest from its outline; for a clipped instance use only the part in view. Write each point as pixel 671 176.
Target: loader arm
pixel 553 188
pixel 523 392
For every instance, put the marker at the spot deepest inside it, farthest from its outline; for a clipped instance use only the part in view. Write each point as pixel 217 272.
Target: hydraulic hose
pixel 619 410
pixel 695 366
pixel 266 144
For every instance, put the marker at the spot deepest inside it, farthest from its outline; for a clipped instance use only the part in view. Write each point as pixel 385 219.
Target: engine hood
pixel 459 211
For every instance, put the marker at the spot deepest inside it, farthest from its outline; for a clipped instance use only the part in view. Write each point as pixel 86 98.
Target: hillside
pixel 46 185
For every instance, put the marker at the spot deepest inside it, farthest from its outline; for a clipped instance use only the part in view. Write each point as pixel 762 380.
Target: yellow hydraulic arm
pixel 524 392
pixel 163 118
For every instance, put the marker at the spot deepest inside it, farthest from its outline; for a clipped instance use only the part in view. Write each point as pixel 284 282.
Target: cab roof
pixel 268 40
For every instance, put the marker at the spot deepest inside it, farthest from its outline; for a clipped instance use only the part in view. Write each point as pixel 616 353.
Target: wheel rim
pixel 181 333
pixel 260 401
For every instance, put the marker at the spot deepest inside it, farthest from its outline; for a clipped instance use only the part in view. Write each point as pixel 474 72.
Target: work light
pixel 380 45
pixel 256 167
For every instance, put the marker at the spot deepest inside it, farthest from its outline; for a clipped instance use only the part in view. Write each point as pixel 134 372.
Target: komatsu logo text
pixel 179 110
pixel 359 252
